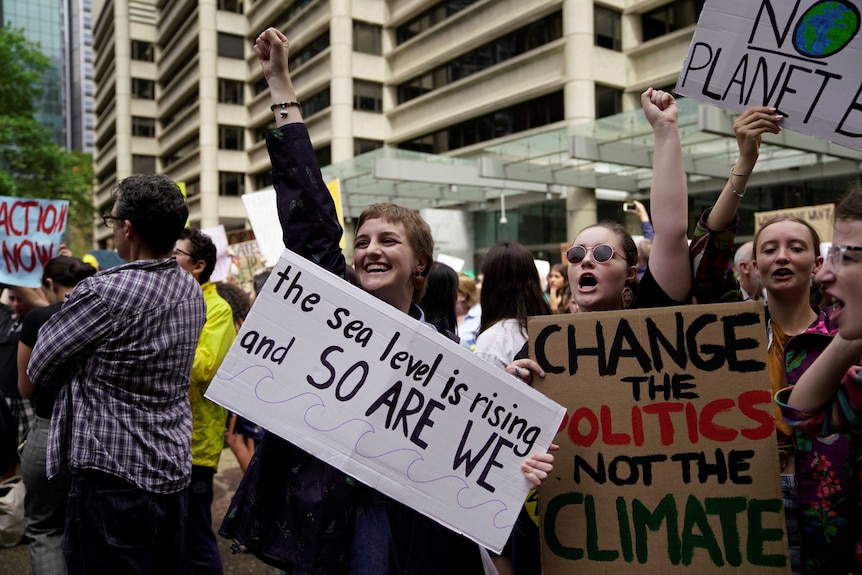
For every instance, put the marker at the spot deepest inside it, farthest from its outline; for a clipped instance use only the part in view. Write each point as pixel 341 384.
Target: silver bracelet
pixel 736 193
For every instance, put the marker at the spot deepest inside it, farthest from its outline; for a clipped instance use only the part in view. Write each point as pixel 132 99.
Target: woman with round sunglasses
pixel 603 258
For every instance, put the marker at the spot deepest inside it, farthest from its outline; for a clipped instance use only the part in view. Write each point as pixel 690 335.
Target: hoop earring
pixel 628 297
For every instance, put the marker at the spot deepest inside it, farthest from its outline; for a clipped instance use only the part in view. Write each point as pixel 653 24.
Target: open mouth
pixel 587 281
pixel 376 268
pixel 782 273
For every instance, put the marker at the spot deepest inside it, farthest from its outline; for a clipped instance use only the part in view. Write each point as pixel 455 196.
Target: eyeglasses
pixel 181 252
pixel 837 251
pixel 602 253
pixel 110 220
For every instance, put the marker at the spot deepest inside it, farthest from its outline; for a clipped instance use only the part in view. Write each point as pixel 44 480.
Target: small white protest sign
pixel 387 400
pixel 799 57
pixel 262 212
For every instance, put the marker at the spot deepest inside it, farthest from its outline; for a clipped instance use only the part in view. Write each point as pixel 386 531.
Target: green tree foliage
pixel 31 164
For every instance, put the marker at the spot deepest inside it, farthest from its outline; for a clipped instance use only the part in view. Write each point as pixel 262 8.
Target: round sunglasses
pixel 602 253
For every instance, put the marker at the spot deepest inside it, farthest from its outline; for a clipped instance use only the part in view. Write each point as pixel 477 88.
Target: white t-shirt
pixel 499 343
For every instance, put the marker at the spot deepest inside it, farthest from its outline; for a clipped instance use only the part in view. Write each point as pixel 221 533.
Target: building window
pixel 608 28
pixel 316 103
pixel 230 46
pixel 263 180
pixel 193 188
pixel 261 132
pixel 309 51
pixel 260 86
pixel 234 6
pixel 524 116
pixel 430 18
pixel 230 91
pixel 231 183
pixel 523 40
pixel 143 164
pixel 143 51
pixel 143 127
pixel 361 146
pixel 670 18
pixel 324 155
pixel 609 101
pixel 143 89
pixel 230 138
pixel 367 38
pixel 367 96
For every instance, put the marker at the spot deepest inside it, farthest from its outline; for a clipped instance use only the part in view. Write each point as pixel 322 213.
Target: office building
pixel 461 108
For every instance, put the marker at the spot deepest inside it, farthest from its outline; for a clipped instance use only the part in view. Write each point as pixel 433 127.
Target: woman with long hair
pixel 822 527
pixel 45 501
pixel 558 285
pixel 511 293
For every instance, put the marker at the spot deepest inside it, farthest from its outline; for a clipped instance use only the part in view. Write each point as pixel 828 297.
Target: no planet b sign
pixel 801 57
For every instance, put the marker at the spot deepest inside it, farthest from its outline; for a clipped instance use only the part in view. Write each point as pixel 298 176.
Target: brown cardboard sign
pixel 668 460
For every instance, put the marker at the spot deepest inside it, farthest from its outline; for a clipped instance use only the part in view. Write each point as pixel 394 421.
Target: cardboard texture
pixel 31 230
pixel 249 260
pixel 668 460
pixel 821 217
pixel 799 57
pixel 386 399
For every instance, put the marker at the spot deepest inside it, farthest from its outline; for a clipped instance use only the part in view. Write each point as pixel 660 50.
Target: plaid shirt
pixel 124 343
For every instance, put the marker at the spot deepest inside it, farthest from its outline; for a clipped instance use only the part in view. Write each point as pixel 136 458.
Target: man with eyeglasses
pixel 196 253
pixel 119 355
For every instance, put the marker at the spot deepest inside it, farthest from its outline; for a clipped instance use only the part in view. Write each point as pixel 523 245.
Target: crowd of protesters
pixel 103 374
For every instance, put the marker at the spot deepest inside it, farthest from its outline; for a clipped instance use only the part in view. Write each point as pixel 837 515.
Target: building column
pixel 341 84
pixel 579 91
pixel 580 210
pixel 123 94
pixel 208 111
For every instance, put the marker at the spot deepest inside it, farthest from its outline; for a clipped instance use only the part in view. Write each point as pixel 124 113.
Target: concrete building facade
pixel 180 92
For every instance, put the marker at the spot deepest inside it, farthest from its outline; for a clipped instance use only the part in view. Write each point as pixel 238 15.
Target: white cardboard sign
pixel 387 400
pixel 801 57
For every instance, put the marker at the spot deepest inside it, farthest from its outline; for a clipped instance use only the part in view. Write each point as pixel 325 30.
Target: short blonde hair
pixel 467 286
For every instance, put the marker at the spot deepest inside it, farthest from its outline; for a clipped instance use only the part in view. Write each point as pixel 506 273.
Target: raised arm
pixel 305 208
pixel 749 128
pixel 668 197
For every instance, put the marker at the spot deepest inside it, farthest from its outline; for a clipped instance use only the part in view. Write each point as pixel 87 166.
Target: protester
pixel 822 529
pixel 438 301
pixel 558 283
pixel 238 300
pixel 21 301
pixel 195 252
pixel 825 401
pixel 294 511
pixel 45 501
pixel 644 245
pixel 512 293
pixel 749 281
pixel 119 355
pixel 603 258
pixel 468 311
pixel 242 435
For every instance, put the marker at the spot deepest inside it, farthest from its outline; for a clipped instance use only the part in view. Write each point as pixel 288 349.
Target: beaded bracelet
pixel 284 106
pixel 739 195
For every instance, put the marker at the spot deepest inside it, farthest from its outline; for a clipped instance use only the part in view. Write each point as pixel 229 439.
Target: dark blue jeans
pixel 112 526
pixel 201 548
